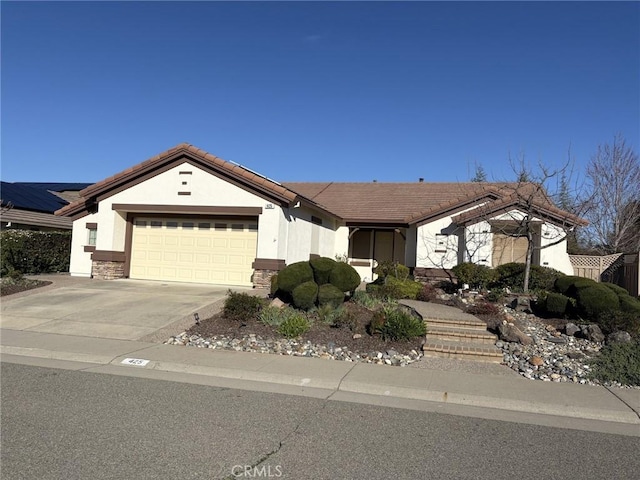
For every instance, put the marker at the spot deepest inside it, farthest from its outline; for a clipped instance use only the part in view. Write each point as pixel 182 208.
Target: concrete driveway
pixel 120 309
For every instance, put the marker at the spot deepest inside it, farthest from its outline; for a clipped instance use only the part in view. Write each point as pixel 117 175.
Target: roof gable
pixel 184 152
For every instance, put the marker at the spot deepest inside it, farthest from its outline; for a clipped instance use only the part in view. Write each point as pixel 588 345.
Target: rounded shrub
pixel 274 284
pixel 293 275
pixel 595 300
pixel 618 290
pixel 344 277
pixel 322 269
pixel 400 325
pixel 241 306
pixel 476 276
pixel 396 289
pixel 294 326
pixel 630 305
pixel 556 304
pixel 305 295
pixel 563 284
pixel 330 295
pixel 511 275
pixel 387 268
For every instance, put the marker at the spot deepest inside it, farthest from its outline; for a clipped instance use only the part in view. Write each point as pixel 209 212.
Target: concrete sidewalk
pixel 331 379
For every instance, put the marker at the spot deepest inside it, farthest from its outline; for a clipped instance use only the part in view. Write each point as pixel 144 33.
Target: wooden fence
pixel 621 269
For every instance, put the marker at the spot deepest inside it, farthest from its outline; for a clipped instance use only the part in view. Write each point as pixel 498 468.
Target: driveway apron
pixel 121 309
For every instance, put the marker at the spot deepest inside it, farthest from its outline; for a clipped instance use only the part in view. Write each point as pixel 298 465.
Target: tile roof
pixel 189 152
pixel 401 203
pixel 40 219
pixel 30 198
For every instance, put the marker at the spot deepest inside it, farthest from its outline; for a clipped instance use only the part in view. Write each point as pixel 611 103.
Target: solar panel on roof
pixel 30 198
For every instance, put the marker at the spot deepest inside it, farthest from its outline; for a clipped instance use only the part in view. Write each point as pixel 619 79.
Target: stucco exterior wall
pixel 430 255
pixel 80 262
pixel 305 238
pixel 205 189
pixel 554 256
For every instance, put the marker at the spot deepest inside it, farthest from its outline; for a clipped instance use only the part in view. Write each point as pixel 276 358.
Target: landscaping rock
pixel 276 302
pixel 536 361
pixel 592 333
pixel 618 337
pixel 511 333
pixel 521 304
pixel 571 329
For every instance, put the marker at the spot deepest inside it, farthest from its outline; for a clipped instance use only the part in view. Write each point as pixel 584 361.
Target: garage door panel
pixel 208 250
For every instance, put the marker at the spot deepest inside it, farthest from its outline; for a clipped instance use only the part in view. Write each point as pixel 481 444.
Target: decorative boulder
pixel 592 333
pixel 618 337
pixel 571 329
pixel 511 333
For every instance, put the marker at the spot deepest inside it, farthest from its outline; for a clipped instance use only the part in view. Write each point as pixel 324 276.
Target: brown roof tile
pixel 237 172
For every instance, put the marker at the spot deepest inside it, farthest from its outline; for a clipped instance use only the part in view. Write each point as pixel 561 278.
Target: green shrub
pixel 400 325
pixel 563 284
pixel 365 299
pixel 322 269
pixel 476 276
pixel 630 305
pixel 511 275
pixel 274 316
pixel 294 326
pixel 327 314
pixel 617 320
pixel 619 362
pixel 618 290
pixel 387 268
pixel 556 304
pixel 241 306
pixel 305 295
pixel 293 275
pixel 31 252
pixel 594 300
pixel 395 289
pixel 581 284
pixel 330 295
pixel 427 293
pixel 344 277
pixel 274 284
pixel 494 296
pixel 344 319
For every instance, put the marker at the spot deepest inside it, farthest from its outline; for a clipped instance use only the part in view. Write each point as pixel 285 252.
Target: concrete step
pixel 478 326
pixel 436 333
pixel 462 350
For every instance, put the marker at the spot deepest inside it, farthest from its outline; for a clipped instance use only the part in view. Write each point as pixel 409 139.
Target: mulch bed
pixel 9 288
pixel 319 334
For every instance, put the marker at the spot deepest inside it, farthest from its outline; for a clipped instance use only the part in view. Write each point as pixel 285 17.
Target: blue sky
pixel 303 91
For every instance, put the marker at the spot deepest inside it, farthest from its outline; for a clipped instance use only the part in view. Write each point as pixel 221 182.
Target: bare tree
pixel 613 175
pixel 480 175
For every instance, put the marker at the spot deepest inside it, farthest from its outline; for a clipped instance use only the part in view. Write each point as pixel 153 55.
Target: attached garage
pixel 217 250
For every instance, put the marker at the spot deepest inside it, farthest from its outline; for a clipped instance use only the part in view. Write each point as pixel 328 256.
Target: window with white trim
pixel 92 235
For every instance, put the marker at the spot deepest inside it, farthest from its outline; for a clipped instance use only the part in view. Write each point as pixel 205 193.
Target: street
pixel 63 424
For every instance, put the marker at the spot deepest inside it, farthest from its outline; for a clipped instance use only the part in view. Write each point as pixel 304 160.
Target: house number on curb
pixel 136 362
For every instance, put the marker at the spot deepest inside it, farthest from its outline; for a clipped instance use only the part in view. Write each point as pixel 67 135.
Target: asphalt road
pixel 63 424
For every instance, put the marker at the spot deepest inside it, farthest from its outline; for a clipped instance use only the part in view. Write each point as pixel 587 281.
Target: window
pixel 441 242
pixel 156 224
pixel 172 225
pixel 91 236
pixel 187 225
pixel 237 227
pixel 141 223
pixel 220 226
pixel 204 226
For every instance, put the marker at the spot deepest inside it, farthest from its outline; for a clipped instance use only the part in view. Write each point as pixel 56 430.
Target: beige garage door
pixel 508 249
pixel 211 250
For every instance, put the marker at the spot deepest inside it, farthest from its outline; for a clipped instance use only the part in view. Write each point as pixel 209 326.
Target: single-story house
pixel 188 216
pixel 32 206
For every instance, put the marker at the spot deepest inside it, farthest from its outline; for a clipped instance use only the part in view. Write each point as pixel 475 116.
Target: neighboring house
pixel 31 206
pixel 186 215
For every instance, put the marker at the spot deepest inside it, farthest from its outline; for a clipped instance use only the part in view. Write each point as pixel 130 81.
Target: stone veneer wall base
pixel 107 270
